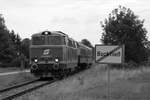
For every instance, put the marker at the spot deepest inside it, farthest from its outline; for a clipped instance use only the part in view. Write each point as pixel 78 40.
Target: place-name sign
pixel 109 54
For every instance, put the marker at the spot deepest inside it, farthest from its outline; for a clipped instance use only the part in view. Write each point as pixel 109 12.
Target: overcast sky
pixel 78 18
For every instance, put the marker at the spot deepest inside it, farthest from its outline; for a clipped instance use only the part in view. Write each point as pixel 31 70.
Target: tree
pixel 16 42
pixel 6 49
pixel 87 43
pixel 124 27
pixel 25 47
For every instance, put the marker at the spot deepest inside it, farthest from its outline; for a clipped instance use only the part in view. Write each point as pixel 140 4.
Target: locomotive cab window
pixel 77 44
pixel 56 40
pixel 38 40
pixel 70 43
pixel 73 42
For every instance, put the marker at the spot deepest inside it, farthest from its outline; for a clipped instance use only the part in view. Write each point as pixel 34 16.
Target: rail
pixel 17 86
pixel 12 96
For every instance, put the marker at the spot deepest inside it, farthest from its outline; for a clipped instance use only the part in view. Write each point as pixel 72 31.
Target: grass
pixel 13 79
pixel 92 85
pixel 9 69
pixel 10 80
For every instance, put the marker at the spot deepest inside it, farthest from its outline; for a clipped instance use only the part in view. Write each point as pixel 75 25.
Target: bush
pixel 16 62
pixel 129 65
pixel 118 66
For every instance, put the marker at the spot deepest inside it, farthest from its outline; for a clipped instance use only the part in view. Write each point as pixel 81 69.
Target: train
pixel 55 54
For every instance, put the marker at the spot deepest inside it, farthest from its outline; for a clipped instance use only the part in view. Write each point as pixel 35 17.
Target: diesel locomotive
pixel 54 53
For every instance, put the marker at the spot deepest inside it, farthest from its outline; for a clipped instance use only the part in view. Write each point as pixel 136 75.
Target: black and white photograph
pixel 74 50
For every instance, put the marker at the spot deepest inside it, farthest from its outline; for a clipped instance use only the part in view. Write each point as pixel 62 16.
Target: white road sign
pixel 109 54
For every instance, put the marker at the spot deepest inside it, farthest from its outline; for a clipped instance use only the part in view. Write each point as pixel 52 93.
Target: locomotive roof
pixel 82 45
pixel 59 33
pixel 50 33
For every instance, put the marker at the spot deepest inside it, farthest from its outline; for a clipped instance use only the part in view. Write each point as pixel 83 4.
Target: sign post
pixel 108 78
pixel 109 54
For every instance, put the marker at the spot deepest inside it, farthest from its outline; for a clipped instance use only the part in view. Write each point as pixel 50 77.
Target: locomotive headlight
pixel 56 60
pixel 35 60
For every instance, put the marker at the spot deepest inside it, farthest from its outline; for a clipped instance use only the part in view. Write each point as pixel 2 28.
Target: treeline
pixel 12 48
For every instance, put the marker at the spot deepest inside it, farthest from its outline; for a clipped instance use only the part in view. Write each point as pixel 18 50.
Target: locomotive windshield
pixel 56 40
pixel 38 40
pixel 48 40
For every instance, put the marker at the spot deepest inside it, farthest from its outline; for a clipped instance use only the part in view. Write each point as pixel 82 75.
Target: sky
pixel 80 19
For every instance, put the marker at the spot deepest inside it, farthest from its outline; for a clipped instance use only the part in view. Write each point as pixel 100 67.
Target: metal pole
pixel 108 77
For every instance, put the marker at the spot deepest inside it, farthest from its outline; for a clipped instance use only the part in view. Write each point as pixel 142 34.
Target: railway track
pixel 18 90
pixel 21 89
pixel 17 86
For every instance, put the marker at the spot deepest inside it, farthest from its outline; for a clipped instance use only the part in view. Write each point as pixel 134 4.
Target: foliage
pixel 25 43
pixel 11 47
pixel 16 42
pixel 6 49
pixel 124 27
pixel 87 43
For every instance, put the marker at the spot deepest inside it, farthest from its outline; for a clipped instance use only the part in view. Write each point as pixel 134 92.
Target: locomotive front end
pixel 47 56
